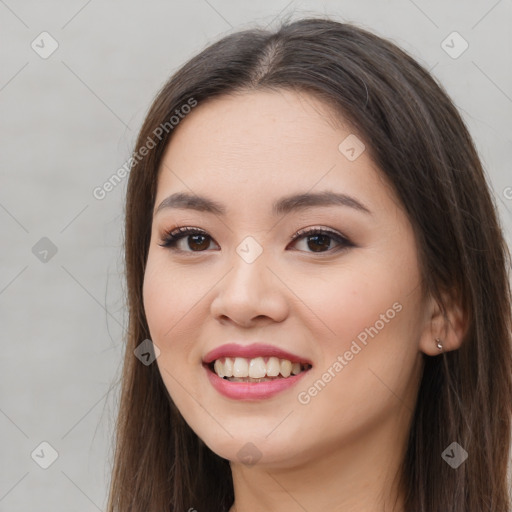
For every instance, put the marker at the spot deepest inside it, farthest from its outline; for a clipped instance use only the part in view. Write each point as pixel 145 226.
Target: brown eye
pixel 320 240
pixel 197 240
pixel 317 240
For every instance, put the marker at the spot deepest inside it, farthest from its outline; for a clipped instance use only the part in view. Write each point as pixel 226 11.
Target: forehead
pixel 249 118
pixel 253 145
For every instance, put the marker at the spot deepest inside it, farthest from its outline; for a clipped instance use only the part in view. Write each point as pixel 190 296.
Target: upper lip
pixel 252 351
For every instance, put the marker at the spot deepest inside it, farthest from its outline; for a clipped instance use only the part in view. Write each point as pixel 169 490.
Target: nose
pixel 250 294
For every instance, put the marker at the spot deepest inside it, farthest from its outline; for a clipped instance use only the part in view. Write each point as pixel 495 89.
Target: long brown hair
pixel 419 141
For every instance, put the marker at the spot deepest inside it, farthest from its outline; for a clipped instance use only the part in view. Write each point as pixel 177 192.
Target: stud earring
pixel 439 344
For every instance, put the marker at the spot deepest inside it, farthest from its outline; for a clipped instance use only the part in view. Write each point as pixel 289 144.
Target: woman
pixel 314 258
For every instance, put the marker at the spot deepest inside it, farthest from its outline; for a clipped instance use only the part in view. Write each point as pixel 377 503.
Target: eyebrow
pixel 182 200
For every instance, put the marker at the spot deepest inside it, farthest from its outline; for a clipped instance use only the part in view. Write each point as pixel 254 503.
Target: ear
pixel 450 327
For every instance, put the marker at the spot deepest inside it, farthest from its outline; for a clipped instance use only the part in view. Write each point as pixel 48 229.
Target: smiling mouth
pixel 258 369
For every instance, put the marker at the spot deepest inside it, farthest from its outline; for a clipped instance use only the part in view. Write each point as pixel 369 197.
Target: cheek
pixel 169 311
pixel 378 291
pixel 170 306
pixel 167 298
pixel 369 313
pixel 373 359
pixel 345 302
pixel 157 297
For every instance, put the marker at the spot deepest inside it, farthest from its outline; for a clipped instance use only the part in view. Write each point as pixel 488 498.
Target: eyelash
pixel 170 238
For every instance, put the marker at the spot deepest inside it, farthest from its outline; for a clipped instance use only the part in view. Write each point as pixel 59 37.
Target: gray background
pixel 68 123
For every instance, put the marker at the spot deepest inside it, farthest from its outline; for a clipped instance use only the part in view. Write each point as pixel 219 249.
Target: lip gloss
pixel 251 390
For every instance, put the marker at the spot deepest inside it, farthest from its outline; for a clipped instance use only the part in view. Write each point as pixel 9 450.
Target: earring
pixel 439 344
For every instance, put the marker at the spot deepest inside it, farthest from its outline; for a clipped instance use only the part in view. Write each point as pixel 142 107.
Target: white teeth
pixel 228 367
pixel 286 367
pixel 219 368
pixel 255 370
pixel 273 367
pixel 240 367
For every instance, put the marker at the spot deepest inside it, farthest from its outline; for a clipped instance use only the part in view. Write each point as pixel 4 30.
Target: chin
pixel 253 450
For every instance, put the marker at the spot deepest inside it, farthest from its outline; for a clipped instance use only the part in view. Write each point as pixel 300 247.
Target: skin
pixel 341 450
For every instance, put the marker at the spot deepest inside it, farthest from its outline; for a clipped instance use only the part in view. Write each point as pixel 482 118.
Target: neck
pixel 360 475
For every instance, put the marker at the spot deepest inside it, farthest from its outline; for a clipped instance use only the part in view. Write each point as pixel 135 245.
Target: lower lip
pixel 252 390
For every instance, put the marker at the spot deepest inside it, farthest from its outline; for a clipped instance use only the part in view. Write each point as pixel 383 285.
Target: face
pixel 335 285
